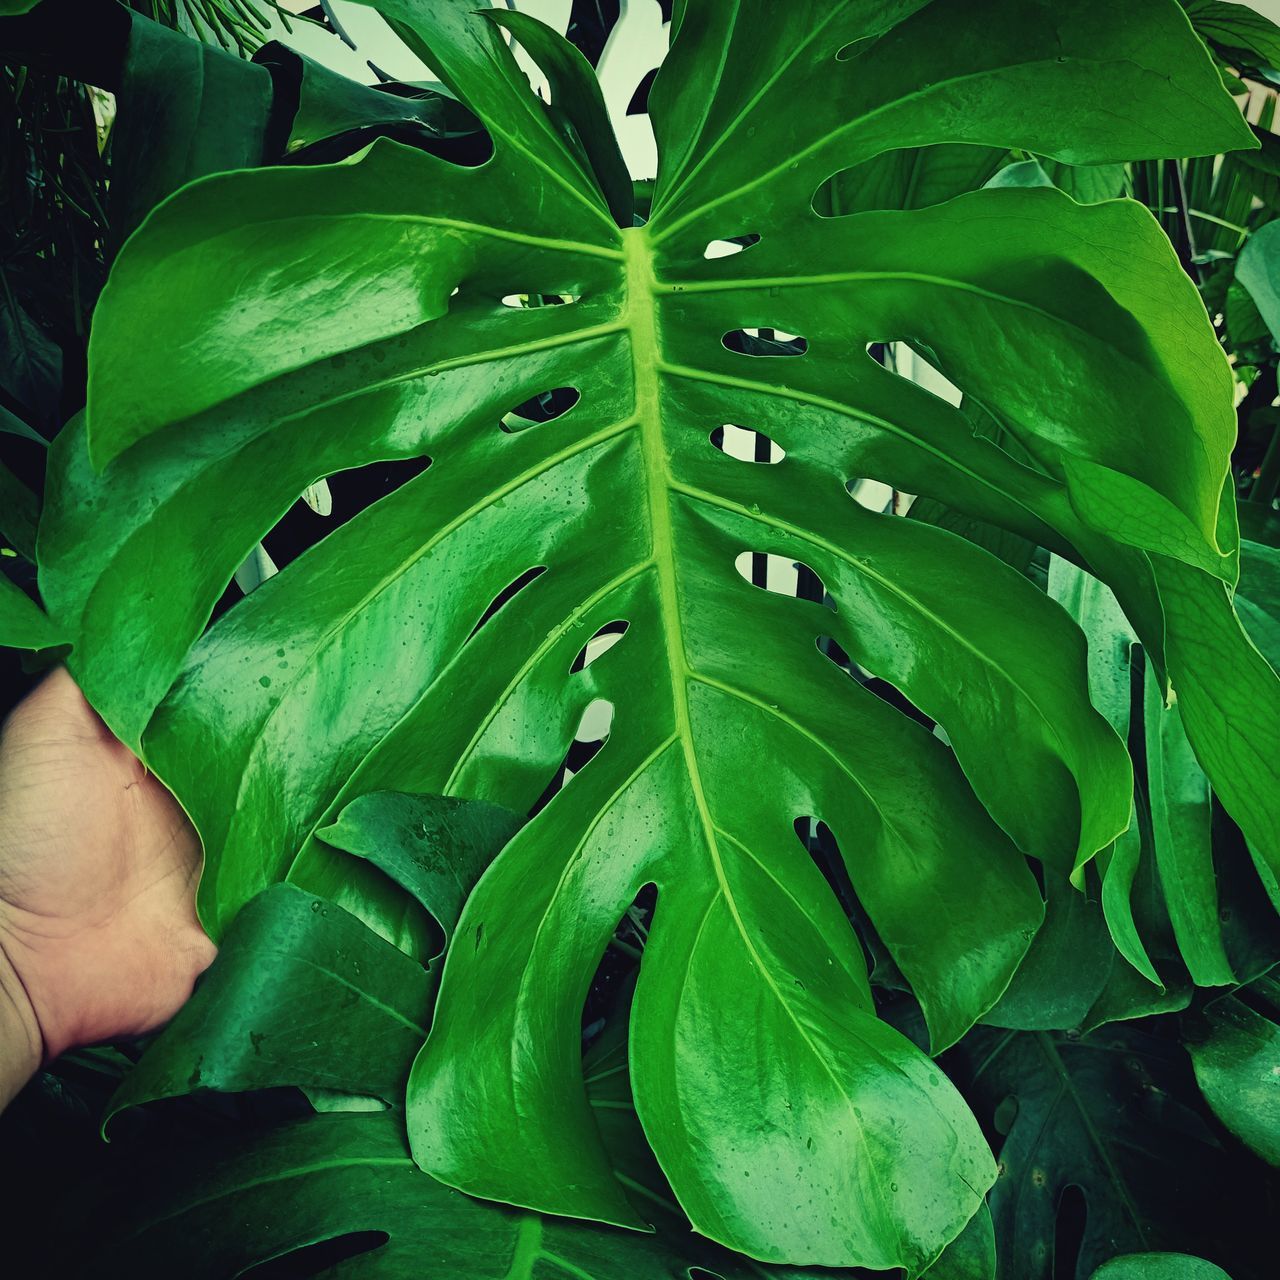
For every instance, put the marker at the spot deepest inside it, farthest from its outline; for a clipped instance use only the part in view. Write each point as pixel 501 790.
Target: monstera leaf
pixel 350 1180
pixel 264 329
pixel 1112 1122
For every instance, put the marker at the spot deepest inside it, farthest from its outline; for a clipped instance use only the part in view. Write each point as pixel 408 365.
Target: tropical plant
pixel 634 412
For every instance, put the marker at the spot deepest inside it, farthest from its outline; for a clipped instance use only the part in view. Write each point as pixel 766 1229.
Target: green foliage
pixel 1258 271
pixel 888 175
pixel 185 109
pixel 333 1175
pixel 1110 1117
pixel 1159 1266
pixel 22 623
pixel 1237 1065
pixel 296 976
pixel 434 847
pixel 331 116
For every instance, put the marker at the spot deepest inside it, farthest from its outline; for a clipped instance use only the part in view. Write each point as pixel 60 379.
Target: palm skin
pixel 98 865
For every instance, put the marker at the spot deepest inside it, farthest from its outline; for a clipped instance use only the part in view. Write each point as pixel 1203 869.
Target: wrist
pixel 21 1044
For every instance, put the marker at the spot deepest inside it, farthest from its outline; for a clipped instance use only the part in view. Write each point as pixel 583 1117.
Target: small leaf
pixel 435 847
pixel 1160 1266
pixel 301 993
pixel 23 625
pixel 1238 1070
pixel 1258 272
pixel 1233 29
pixel 332 115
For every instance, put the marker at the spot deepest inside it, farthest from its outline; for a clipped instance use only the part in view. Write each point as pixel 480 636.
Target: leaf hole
pixel 321 508
pixel 818 839
pixel 592 733
pixel 312 1259
pixel 528 301
pixel 728 247
pixel 507 594
pixel 1068 1228
pixel 599 644
pixel 747 445
pixel 547 406
pixel 831 649
pixel 855 48
pixel 783 577
pixel 874 495
pixel 820 842
pixel 768 342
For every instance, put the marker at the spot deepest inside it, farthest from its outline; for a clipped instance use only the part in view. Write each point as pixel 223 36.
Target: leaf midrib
pixel 1067 1089
pixel 641 311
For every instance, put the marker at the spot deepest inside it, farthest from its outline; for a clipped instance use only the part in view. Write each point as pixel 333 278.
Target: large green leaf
pixel 185 108
pixel 364 320
pixel 301 994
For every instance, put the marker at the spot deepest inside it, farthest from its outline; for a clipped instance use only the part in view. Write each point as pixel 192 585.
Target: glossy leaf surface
pixel 331 1004
pixel 790 1121
pixel 433 847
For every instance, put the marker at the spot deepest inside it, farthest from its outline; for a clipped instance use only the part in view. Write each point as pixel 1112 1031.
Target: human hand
pixel 98 866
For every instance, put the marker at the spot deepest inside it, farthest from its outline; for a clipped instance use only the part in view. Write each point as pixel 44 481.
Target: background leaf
pixel 1159 1266
pixel 184 109
pixel 1110 1114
